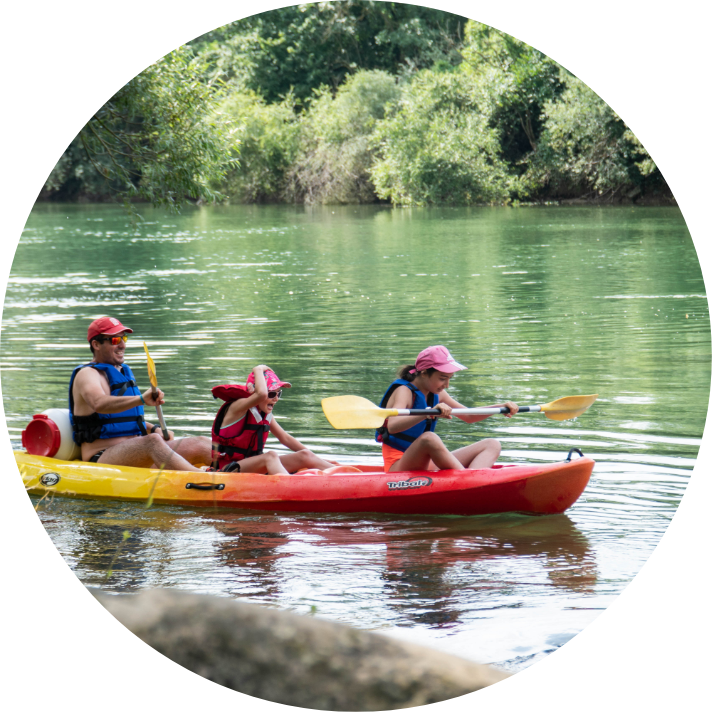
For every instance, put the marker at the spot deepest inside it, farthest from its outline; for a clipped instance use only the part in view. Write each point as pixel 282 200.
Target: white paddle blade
pixel 569 407
pixel 345 412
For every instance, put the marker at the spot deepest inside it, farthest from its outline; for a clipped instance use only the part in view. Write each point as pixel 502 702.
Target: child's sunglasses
pixel 273 394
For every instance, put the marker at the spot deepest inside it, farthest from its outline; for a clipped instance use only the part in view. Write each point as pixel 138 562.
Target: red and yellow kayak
pixel 549 488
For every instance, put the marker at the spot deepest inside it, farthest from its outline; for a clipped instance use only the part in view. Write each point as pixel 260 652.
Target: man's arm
pixel 90 386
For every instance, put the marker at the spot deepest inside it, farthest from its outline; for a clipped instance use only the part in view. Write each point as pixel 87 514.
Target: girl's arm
pixel 445 397
pixel 238 408
pixel 402 399
pixel 285 438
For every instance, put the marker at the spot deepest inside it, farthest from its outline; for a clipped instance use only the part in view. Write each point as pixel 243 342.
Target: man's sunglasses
pixel 114 340
pixel 272 394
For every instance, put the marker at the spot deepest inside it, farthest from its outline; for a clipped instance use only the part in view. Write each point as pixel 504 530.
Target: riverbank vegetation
pixel 356 102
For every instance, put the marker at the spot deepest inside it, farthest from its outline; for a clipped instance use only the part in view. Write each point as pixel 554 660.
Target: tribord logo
pixel 412 483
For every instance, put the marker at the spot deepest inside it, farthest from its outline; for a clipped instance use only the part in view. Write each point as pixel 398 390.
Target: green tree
pixel 436 147
pixel 587 151
pixel 334 163
pixel 270 138
pixel 517 80
pixel 160 139
pixel 303 47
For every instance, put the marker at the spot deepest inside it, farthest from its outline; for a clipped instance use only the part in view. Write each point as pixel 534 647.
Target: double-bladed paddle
pixel 344 412
pixel 154 387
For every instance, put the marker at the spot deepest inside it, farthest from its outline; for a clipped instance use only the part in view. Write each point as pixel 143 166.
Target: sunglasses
pixel 114 340
pixel 273 394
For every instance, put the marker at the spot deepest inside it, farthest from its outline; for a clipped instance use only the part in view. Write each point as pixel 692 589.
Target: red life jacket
pixel 252 435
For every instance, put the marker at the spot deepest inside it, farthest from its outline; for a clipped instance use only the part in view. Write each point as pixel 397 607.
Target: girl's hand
pixel 445 409
pixel 261 367
pixel 513 408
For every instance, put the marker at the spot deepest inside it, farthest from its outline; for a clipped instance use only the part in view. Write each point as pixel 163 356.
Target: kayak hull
pixel 549 488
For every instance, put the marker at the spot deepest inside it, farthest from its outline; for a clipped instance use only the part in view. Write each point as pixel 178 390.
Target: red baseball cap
pixel 106 325
pixel 438 357
pixel 272 381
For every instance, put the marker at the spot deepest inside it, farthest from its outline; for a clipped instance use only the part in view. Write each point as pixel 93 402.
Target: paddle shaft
pixel 159 413
pixel 469 411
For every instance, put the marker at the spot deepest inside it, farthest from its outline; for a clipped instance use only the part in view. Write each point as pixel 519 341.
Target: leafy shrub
pixel 157 139
pixel 436 146
pixel 270 136
pixel 586 150
pixel 516 81
pixel 335 160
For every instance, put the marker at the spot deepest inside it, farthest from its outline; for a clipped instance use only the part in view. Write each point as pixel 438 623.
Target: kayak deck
pixel 549 488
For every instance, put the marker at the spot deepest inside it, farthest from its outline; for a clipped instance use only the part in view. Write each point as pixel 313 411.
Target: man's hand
pixel 150 399
pixel 155 428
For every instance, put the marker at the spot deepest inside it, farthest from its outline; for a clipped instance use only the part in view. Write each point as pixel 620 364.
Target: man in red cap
pixel 106 410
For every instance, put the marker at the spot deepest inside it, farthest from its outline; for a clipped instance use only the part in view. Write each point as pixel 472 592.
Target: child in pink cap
pixel 244 422
pixel 409 441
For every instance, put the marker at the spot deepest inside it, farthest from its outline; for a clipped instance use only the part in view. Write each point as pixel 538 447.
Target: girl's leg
pixel 303 460
pixel 480 455
pixel 267 463
pixel 428 447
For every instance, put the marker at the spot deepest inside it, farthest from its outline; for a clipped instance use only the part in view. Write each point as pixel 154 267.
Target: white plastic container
pixel 49 434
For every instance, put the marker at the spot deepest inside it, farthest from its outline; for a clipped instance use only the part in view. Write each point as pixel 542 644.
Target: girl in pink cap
pixel 409 441
pixel 245 420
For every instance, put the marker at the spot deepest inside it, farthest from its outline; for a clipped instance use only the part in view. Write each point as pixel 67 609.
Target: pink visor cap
pixel 437 357
pixel 272 381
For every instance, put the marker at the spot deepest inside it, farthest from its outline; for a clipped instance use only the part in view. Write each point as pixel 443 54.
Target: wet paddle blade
pixel 568 407
pixel 151 367
pixel 344 412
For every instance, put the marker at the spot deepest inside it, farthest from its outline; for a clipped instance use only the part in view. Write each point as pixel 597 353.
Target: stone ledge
pixel 290 659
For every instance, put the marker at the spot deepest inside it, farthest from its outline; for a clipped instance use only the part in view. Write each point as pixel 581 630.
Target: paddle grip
pixel 470 411
pixel 159 413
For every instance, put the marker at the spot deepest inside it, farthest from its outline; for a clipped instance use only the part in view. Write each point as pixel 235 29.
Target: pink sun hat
pixel 272 381
pixel 438 357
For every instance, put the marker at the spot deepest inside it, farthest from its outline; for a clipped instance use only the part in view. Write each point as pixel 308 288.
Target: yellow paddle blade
pixel 151 367
pixel 568 407
pixel 345 412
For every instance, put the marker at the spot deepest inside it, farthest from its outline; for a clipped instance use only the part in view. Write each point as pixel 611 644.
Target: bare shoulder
pixel 236 410
pixel 89 376
pixel 402 397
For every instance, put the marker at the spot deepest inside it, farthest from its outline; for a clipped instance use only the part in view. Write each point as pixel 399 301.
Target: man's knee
pixel 153 440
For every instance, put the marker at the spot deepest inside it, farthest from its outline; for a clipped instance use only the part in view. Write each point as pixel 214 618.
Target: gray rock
pixel 291 659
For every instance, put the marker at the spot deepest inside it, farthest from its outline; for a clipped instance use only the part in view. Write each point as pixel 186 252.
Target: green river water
pixel 539 303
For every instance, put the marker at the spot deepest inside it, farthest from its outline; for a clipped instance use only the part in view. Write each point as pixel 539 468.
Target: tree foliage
pixel 518 81
pixel 334 163
pixel 356 101
pixel 587 150
pixel 160 139
pixel 270 139
pixel 304 47
pixel 436 146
